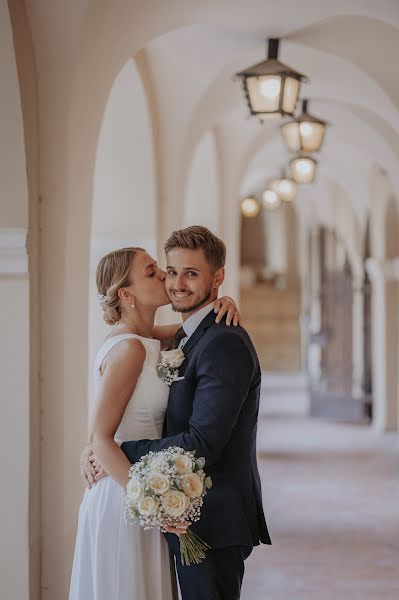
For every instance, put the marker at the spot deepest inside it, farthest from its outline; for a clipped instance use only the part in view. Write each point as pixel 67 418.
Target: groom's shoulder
pixel 229 334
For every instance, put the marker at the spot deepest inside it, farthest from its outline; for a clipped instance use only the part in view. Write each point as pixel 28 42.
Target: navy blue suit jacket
pixel 214 411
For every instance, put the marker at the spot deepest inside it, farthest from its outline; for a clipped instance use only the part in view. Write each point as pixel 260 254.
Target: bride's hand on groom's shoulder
pixel 90 469
pixel 226 306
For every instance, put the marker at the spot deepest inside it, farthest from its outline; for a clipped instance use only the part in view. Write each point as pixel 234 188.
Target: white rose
pixel 183 463
pixel 147 506
pixel 159 483
pixel 173 358
pixel 134 489
pixel 175 503
pixel 192 485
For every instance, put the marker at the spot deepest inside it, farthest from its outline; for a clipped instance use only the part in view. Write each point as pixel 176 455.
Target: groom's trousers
pixel 218 577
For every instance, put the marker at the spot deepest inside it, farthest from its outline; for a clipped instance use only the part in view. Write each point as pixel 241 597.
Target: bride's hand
pixel 227 305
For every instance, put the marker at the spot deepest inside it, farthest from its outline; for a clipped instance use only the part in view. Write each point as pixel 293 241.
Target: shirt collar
pixel 191 324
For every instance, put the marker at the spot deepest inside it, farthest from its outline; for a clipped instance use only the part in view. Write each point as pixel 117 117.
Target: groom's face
pixel 190 281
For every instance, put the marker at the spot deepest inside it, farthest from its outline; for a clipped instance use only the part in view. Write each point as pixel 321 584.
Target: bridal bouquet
pixel 165 487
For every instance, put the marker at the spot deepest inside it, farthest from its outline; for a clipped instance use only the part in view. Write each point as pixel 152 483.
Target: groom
pixel 213 410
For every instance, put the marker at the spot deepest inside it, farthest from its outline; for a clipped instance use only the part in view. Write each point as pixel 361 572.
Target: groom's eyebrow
pixel 185 268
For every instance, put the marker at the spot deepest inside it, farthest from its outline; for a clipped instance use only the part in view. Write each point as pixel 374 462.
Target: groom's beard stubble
pixel 198 304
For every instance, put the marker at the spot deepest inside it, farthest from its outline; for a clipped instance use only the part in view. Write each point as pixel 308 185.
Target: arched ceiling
pixel 192 51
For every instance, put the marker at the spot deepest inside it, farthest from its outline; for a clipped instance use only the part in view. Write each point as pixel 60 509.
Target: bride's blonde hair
pixel 111 275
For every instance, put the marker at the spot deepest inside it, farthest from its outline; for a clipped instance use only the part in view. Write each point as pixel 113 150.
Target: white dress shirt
pixel 191 324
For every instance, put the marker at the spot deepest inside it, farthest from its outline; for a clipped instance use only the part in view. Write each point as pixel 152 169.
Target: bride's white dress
pixel 114 561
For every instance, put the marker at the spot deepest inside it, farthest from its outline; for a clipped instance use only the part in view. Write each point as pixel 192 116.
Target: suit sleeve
pixel 225 370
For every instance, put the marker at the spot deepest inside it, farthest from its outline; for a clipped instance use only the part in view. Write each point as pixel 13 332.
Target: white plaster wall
pixel 124 191
pixel 202 195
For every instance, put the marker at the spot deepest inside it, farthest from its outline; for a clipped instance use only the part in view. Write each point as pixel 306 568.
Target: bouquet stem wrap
pixel 192 548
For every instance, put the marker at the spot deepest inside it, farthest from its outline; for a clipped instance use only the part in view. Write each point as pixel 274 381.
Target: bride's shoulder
pixel 123 352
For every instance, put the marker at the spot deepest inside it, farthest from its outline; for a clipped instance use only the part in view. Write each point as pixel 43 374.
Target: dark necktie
pixel 175 341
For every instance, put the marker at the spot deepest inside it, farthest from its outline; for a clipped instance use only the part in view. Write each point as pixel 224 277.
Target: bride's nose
pixel 161 274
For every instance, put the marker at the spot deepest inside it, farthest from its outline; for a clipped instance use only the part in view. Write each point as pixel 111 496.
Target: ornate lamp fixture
pixel 304 134
pixel 303 169
pixel 271 87
pixel 285 188
pixel 270 199
pixel 250 207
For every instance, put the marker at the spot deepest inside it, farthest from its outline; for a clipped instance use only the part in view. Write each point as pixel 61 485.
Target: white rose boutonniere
pixel 169 363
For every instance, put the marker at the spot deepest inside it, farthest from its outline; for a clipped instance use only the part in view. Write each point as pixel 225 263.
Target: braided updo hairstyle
pixel 111 275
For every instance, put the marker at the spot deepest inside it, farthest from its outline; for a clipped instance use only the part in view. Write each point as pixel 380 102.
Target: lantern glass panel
pixel 303 170
pixel 291 90
pixel 250 207
pixel 291 136
pixel 270 199
pixel 264 93
pixel 284 188
pixel 311 136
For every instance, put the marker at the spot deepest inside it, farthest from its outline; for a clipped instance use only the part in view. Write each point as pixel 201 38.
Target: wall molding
pixel 13 252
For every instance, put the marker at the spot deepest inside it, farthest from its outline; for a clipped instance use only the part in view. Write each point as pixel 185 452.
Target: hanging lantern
pixel 250 207
pixel 303 169
pixel 285 188
pixel 304 134
pixel 271 87
pixel 270 199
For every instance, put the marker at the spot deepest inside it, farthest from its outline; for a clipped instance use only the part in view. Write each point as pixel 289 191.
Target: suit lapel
pixel 199 332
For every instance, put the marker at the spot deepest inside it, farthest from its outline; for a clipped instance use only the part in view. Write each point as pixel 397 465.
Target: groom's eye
pixel 192 273
pixel 171 273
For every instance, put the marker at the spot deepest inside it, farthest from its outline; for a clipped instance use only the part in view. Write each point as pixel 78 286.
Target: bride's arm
pixel 223 306
pixel 122 370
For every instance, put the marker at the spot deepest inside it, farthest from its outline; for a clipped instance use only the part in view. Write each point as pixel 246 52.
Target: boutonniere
pixel 168 365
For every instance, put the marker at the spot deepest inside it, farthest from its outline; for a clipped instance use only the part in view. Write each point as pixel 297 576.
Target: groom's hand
pixel 90 469
pixel 177 528
pixel 87 471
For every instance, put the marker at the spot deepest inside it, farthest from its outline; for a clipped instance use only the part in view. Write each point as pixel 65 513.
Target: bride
pixel 113 561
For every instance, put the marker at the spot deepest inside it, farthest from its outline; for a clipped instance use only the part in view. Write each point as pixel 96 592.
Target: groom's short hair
pixel 197 237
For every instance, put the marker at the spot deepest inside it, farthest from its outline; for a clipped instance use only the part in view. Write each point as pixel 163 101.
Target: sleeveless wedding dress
pixel 112 560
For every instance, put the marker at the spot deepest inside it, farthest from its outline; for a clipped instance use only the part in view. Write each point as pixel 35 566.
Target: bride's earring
pixel 133 305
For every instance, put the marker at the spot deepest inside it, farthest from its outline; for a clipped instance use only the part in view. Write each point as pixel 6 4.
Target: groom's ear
pixel 218 278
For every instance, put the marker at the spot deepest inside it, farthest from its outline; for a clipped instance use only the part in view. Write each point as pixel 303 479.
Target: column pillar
pixel 384 336
pixel 314 356
pixel 15 414
pixel 358 338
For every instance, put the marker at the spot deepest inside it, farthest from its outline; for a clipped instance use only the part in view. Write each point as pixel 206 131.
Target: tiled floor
pixel 331 496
